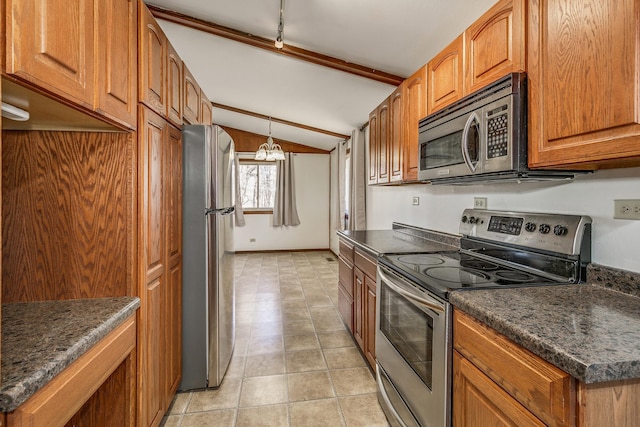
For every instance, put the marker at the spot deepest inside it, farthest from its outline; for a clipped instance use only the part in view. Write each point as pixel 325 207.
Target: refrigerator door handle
pixel 221 211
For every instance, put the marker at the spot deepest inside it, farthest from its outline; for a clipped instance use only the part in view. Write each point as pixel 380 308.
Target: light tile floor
pixel 294 362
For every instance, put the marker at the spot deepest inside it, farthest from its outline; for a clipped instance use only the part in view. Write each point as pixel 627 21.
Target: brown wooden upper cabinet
pixel 445 76
pixel 415 108
pixel 191 97
pixel 396 134
pixel 372 156
pixel 206 109
pixel 51 44
pixel 379 134
pixel 174 86
pixel 54 46
pixel 494 44
pixel 117 60
pixel 153 63
pixel 583 83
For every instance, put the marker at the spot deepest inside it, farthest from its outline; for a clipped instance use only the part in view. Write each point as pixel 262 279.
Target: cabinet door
pixel 384 117
pixel 153 62
pixel 445 76
pixel 152 354
pixel 117 60
pixel 358 306
pixel 370 320
pixel 396 127
pixel 494 44
pixel 583 84
pixel 479 402
pixel 50 43
pixel 174 86
pixel 191 97
pixel 415 108
pixel 173 300
pixel 206 113
pixel 374 131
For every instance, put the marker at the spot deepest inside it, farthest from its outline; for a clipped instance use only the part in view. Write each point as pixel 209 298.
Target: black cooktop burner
pixel 458 275
pixel 421 259
pixel 447 271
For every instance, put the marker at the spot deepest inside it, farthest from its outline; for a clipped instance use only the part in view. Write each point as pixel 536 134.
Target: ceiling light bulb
pixel 279 43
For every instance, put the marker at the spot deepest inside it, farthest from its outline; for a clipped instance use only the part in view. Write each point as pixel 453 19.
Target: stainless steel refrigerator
pixel 208 290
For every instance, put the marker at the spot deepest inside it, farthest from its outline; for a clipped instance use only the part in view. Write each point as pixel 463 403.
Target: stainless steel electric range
pixel 413 324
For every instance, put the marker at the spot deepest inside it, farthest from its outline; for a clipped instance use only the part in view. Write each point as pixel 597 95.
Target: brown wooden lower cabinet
pixel 479 402
pixel 357 297
pixel 160 263
pixel 496 382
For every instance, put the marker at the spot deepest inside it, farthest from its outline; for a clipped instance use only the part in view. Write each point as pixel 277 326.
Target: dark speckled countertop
pixel 40 339
pixel 401 239
pixel 589 331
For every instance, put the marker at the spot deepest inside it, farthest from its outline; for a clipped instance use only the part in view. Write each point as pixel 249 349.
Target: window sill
pixel 270 212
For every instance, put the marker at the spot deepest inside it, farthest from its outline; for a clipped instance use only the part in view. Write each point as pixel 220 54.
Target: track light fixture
pixel 280 39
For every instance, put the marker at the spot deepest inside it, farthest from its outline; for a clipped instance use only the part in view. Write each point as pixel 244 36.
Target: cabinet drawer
pixel 346 250
pixel 345 275
pixel 545 390
pixel 369 266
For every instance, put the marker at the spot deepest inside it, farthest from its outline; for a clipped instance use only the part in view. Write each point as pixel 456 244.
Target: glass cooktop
pixel 447 271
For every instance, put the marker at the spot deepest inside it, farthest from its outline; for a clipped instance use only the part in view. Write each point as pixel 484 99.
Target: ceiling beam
pixel 277 120
pixel 268 44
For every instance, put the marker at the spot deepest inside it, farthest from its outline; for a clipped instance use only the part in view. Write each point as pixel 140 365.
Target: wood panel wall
pixel 67 214
pixel 246 142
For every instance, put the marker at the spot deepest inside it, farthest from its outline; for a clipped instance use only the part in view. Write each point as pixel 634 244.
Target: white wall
pixel 615 243
pixel 312 193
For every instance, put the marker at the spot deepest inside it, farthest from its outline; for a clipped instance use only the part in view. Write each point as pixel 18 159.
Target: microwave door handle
pixel 463 144
pixel 413 298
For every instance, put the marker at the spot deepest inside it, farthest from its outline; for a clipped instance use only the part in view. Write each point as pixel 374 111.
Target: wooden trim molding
pixel 247 142
pixel 277 120
pixel 268 44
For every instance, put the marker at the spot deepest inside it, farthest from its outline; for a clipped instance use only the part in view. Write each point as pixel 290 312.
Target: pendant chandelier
pixel 269 151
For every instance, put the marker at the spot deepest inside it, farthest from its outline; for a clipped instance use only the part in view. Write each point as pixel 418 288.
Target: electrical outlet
pixel 252 240
pixel 626 209
pixel 415 201
pixel 480 203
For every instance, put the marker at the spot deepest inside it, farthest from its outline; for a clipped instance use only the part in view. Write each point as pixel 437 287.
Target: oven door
pixel 413 352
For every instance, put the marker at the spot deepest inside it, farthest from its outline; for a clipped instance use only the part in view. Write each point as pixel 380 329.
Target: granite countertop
pixel 401 239
pixel 589 331
pixel 40 339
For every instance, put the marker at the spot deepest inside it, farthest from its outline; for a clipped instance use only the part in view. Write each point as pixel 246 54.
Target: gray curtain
pixel 239 213
pixel 358 181
pixel 342 165
pixel 285 211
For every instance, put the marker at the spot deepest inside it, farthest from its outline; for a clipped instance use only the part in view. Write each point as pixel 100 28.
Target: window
pixel 257 186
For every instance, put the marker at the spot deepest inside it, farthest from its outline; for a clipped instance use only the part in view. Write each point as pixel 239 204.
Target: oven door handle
pixel 433 305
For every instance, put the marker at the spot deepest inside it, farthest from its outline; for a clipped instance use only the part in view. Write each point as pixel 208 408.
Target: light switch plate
pixel 415 201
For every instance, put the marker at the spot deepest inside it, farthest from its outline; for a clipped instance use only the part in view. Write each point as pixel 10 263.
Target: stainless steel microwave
pixel 482 137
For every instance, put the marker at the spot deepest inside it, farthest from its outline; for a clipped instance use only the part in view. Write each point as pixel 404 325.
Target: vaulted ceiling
pixel 394 36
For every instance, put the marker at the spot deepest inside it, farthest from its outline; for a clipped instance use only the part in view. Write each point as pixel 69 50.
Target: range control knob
pixel 560 230
pixel 544 228
pixel 472 220
pixel 464 218
pixel 530 227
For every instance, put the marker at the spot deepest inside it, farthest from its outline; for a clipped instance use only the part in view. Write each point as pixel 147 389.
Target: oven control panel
pixel 550 232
